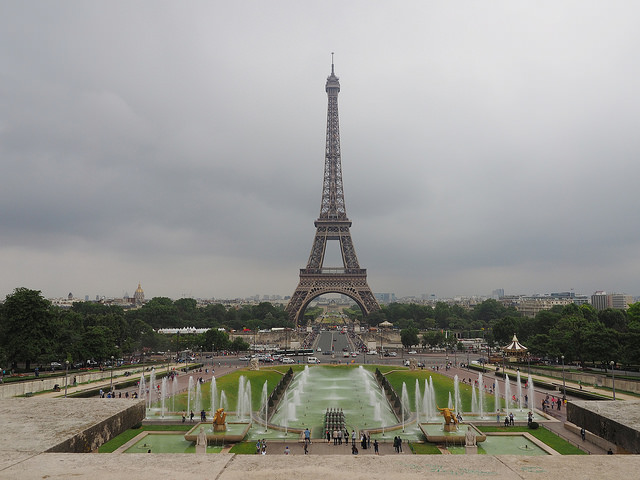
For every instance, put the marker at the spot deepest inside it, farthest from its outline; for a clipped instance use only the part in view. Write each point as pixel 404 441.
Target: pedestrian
pixel 307 436
pixel 340 437
pixel 328 435
pixel 353 437
pixel 498 417
pixel 191 416
pixel 286 449
pixel 583 433
pixel 511 422
pixel 258 447
pixel 375 447
pixel 335 437
pixel 399 444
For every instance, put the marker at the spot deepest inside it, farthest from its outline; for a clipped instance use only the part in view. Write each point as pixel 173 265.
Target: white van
pixel 313 360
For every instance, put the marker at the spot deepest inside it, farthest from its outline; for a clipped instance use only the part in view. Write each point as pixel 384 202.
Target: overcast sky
pixel 181 144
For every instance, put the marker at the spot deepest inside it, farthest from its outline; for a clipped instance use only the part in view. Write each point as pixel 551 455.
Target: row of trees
pixel 32 330
pixel 35 332
pixel 580 333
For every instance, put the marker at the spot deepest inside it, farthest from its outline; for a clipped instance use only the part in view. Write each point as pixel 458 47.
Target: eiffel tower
pixel 332 224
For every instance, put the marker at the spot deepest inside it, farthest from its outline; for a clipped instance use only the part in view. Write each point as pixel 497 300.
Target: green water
pixel 167 443
pixel 353 390
pixel 504 445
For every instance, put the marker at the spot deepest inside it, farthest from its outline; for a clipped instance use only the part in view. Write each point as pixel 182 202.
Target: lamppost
pixel 564 388
pixel 66 377
pixel 613 378
pixel 111 373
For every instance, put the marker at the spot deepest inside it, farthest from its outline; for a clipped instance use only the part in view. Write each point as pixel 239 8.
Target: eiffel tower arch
pixel 332 225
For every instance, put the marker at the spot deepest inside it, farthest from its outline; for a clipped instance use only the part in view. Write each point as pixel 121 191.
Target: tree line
pixel 33 331
pixel 581 333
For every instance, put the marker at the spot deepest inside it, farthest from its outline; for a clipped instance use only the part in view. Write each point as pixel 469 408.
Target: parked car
pixel 55 365
pixel 287 360
pixel 244 359
pixel 413 352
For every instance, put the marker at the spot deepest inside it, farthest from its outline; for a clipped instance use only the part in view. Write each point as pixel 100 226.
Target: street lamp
pixel 564 387
pixel 66 377
pixel 613 378
pixel 112 373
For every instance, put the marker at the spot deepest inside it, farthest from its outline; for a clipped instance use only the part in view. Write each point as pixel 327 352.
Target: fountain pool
pixel 161 442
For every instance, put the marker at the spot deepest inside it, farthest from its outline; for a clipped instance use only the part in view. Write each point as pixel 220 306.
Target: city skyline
pixel 181 146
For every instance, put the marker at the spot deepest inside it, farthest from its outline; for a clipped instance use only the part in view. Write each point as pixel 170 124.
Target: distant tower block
pixel 138 297
pixel 332 224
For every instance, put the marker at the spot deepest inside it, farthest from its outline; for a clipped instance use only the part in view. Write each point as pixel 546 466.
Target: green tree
pixel 239 345
pixel 215 340
pixel 409 336
pixel 25 327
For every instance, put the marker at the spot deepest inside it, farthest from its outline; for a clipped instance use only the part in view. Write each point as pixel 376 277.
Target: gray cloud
pixel 181 145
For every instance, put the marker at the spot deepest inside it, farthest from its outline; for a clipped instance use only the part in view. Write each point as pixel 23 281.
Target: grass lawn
pixel 115 443
pixel 425 449
pixel 548 437
pixel 244 448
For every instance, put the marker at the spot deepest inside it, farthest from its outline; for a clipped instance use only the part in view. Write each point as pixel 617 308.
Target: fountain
pixel 265 405
pixel 496 397
pixel 481 395
pixel 190 394
pixel 519 390
pixel 531 393
pixel 507 394
pixel 142 390
pixel 214 394
pixel 152 386
pixel 197 402
pixel 163 393
pixel 456 390
pixel 418 398
pixel 404 403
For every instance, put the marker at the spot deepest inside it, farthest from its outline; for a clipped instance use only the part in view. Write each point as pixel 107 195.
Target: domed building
pixel 138 297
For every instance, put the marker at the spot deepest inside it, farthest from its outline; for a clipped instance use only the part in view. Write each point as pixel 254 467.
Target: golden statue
pixel 219 420
pixel 450 419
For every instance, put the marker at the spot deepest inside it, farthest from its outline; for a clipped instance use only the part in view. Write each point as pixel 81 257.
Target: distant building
pixel 601 300
pixel 385 297
pixel 138 296
pixel 497 293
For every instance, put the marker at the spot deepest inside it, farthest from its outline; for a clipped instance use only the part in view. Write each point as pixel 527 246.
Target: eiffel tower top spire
pixel 332 206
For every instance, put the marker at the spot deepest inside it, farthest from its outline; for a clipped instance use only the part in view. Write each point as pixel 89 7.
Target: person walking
pixel 353 437
pixel 583 433
pixel 375 447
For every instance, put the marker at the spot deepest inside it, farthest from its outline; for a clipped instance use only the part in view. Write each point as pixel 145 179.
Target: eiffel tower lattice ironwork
pixel 332 224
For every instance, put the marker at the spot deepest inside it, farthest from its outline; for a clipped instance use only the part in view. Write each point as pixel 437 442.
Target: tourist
pixel 368 441
pixel 328 436
pixel 583 433
pixel 511 419
pixel 258 447
pixel 335 437
pixel 191 416
pixel 498 417
pixel 340 437
pixel 375 447
pixel 399 444
pixel 506 421
pixel 395 444
pixel 307 436
pixel 354 450
pixel 286 450
pixel 353 437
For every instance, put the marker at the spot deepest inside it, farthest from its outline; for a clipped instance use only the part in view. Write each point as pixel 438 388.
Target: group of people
pixel 550 403
pixel 261 447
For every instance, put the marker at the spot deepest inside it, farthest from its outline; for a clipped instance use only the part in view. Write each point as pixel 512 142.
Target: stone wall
pixel 615 422
pixel 90 439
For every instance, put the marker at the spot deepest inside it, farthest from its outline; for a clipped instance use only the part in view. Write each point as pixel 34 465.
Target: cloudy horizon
pixel 181 145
